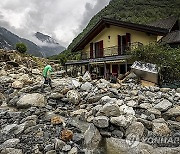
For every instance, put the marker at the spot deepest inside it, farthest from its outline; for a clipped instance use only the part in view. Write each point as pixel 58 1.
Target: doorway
pixel 115 70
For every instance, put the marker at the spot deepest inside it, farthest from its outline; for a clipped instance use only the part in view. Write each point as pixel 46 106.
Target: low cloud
pixel 61 19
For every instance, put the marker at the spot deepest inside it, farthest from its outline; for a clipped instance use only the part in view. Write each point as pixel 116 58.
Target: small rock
pixel 59 144
pixel 132 103
pixel 117 134
pixel 78 112
pixel 51 152
pixel 74 150
pixel 101 121
pixel 56 96
pixel 56 120
pixel 66 148
pixel 110 109
pixel 49 147
pixel 122 121
pixel 145 105
pixel 154 111
pixel 87 76
pixel 161 128
pixel 124 109
pixel 78 138
pixel 165 90
pixel 76 83
pixel 17 84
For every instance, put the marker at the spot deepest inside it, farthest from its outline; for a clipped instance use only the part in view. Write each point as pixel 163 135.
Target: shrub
pixel 21 47
pixel 166 58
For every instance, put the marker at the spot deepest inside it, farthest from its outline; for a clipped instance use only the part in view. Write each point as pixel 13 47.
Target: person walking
pixel 47 76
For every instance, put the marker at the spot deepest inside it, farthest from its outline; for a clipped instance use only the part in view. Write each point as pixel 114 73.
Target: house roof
pixel 166 23
pixel 173 37
pixel 105 22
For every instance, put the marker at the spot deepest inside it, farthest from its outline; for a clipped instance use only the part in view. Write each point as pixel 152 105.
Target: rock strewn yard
pixel 79 113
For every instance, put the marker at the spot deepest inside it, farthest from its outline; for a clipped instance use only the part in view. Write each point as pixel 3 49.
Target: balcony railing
pixel 114 51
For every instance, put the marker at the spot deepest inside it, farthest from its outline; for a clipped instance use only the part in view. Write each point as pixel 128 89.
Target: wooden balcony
pixel 113 51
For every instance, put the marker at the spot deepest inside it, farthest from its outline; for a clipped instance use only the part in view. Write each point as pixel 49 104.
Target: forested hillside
pixel 136 11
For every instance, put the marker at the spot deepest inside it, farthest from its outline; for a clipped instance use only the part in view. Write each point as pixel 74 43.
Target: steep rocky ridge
pixel 49 45
pixel 8 40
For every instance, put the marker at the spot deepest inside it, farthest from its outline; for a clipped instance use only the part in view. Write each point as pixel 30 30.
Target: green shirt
pixel 47 70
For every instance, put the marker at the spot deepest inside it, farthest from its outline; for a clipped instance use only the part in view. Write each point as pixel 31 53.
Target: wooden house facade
pixel 105 49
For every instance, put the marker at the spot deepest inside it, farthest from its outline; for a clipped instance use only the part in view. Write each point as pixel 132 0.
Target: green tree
pixel 62 59
pixel 21 47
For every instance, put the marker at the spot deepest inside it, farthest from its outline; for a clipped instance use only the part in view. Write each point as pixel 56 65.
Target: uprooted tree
pixel 165 57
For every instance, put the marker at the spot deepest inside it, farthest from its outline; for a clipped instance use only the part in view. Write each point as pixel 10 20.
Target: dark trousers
pixel 46 81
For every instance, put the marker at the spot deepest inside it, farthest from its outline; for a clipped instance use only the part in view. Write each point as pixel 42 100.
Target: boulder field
pixel 80 115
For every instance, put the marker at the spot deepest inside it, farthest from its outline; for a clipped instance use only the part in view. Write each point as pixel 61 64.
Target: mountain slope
pixel 49 45
pixel 8 40
pixel 136 11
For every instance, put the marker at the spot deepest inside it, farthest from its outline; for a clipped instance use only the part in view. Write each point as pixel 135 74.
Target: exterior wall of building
pixel 110 38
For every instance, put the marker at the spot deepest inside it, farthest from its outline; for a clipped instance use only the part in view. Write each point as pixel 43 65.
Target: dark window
pixel 99 49
pixel 129 67
pixel 122 69
pixel 124 43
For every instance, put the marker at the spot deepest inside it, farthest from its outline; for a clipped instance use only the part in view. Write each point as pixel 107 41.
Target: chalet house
pixel 105 48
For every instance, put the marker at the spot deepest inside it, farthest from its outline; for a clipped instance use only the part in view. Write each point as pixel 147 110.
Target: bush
pixel 21 47
pixel 62 60
pixel 166 58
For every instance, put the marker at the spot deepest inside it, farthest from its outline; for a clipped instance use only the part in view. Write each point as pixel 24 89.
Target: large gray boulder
pixel 120 146
pixel 9 128
pixel 163 105
pixel 136 129
pixel 87 76
pixel 86 86
pixel 29 100
pixel 92 137
pixel 73 96
pixel 11 151
pixel 11 143
pixel 175 111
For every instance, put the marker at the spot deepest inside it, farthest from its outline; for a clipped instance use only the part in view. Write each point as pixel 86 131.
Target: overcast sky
pixel 61 19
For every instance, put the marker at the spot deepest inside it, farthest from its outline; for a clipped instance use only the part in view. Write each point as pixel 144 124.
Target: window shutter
pixel 128 39
pixel 119 45
pixel 101 48
pixel 91 50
